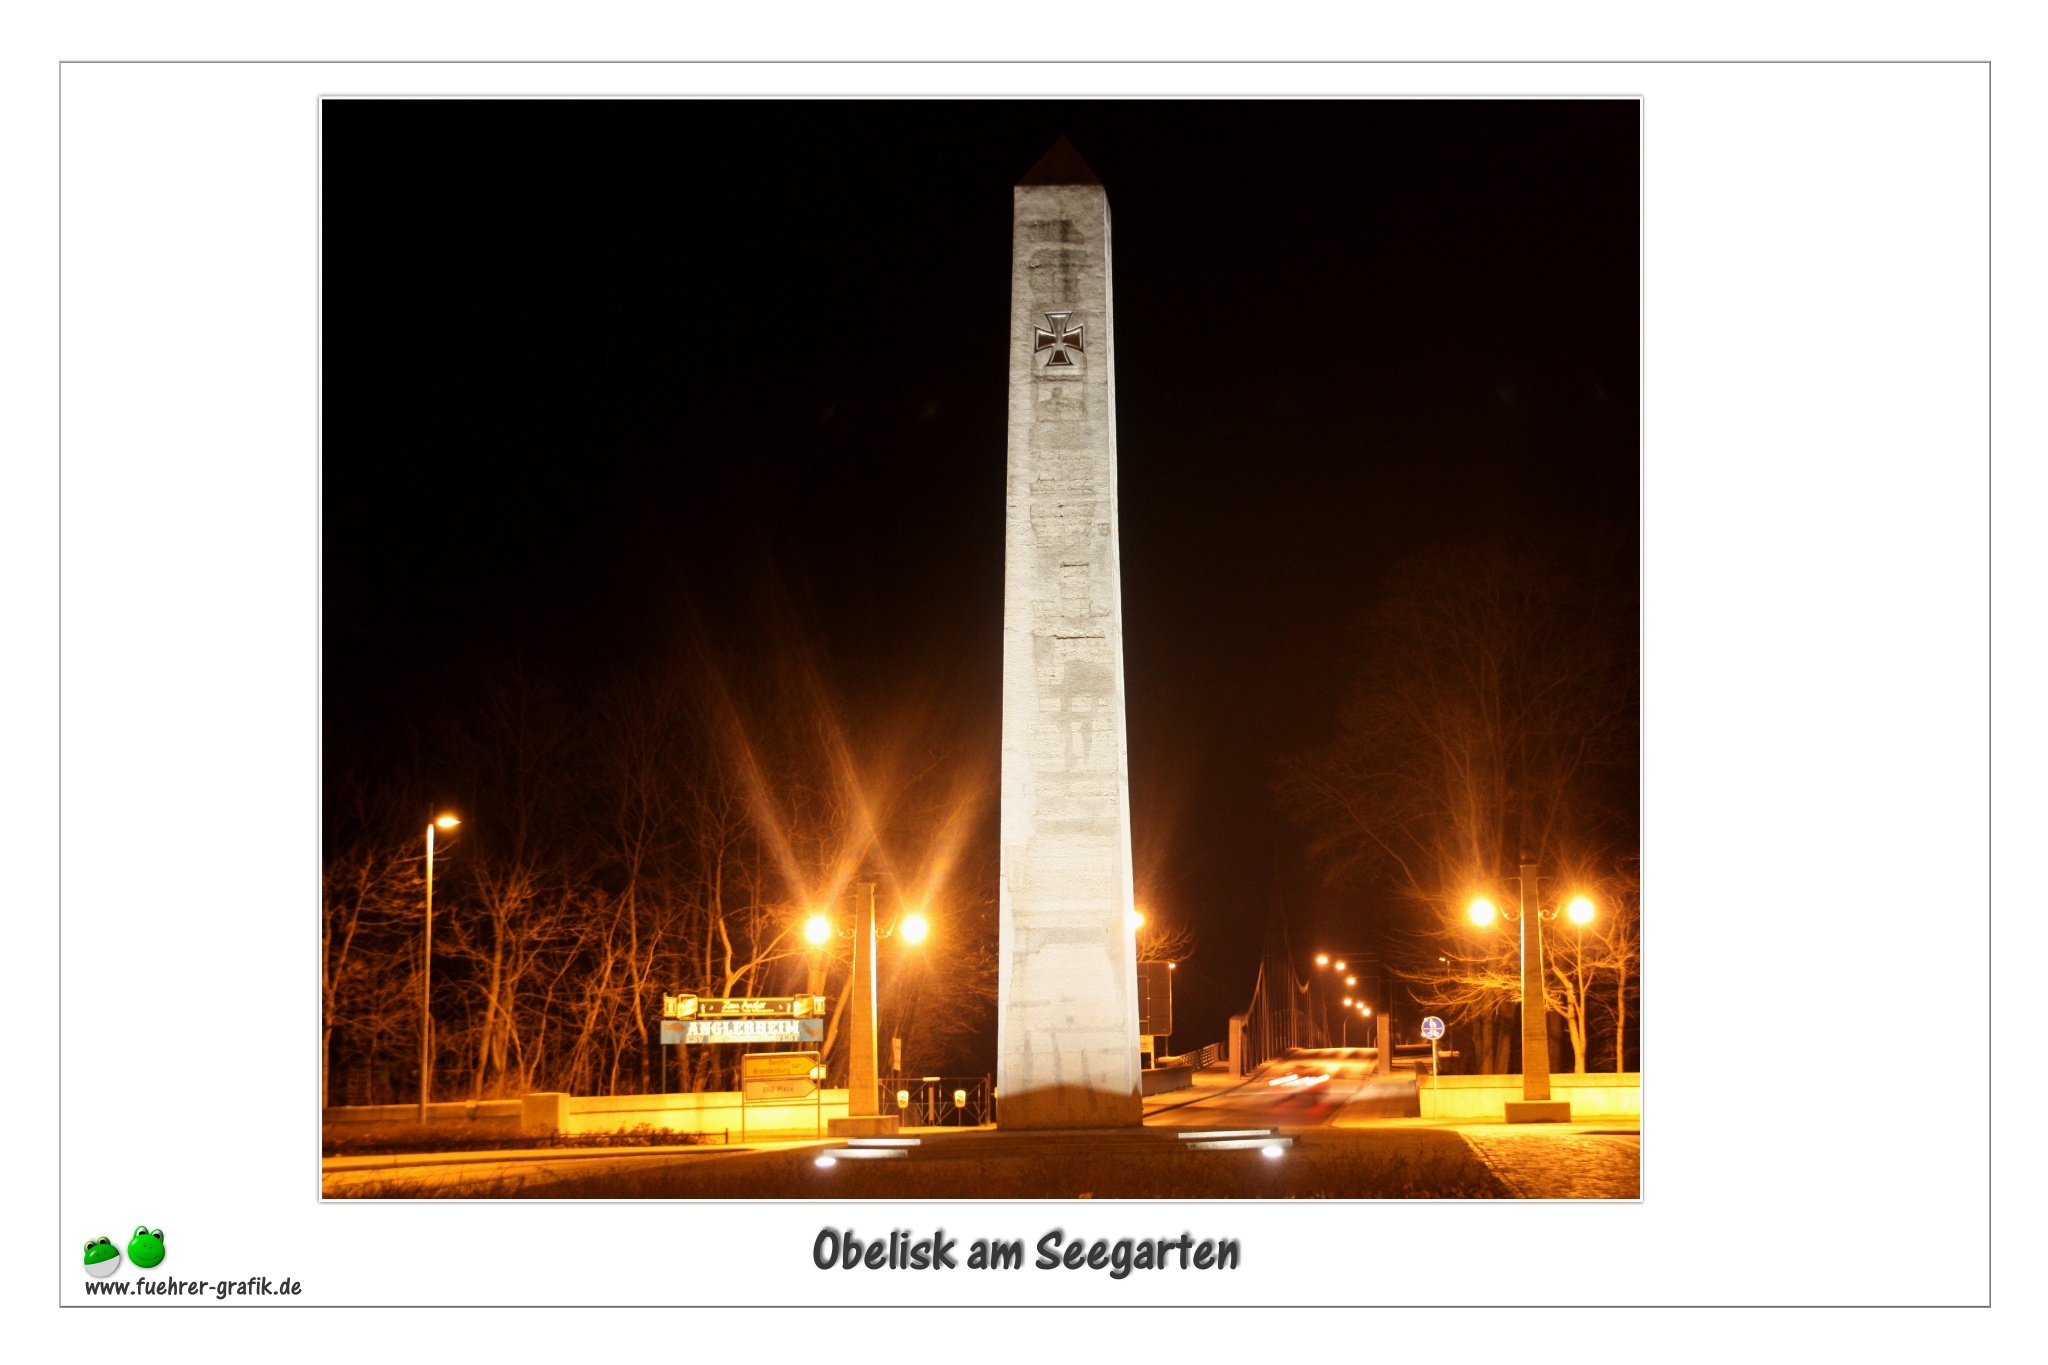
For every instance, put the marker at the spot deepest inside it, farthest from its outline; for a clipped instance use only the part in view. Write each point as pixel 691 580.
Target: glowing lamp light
pixel 1364 1008
pixel 915 928
pixel 1580 910
pixel 828 1161
pixel 1347 999
pixel 817 928
pixel 1134 921
pixel 1351 981
pixel 903 1099
pixel 1269 1152
pixel 447 822
pixel 1340 966
pixel 959 1099
pixel 1482 912
pixel 1322 959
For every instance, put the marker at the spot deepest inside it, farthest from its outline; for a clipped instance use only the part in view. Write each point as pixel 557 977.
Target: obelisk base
pixel 1069 1107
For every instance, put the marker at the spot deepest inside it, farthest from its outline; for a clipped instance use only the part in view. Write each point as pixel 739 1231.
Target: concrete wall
pixel 485 1116
pixel 1592 1096
pixel 714 1111
pixel 533 1115
pixel 1159 1080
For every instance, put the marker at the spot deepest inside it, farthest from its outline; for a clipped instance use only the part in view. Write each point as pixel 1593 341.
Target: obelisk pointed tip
pixel 1061 165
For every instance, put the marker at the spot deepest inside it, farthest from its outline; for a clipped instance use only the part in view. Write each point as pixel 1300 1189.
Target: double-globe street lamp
pixel 863 1081
pixel 1535 1000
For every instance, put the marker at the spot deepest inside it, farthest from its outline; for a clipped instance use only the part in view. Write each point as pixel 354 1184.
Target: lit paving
pixel 1561 1160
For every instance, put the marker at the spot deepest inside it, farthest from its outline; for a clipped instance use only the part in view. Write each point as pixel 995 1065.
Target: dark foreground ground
pixel 1149 1163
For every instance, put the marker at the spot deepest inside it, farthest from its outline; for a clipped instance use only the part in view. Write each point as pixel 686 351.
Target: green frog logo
pixel 101 1258
pixel 146 1247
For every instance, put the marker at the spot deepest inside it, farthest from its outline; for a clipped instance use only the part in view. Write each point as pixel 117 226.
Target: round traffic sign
pixel 1432 1028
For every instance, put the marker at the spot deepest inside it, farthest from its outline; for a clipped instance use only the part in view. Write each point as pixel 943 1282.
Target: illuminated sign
pixel 743 1007
pixel 756 1030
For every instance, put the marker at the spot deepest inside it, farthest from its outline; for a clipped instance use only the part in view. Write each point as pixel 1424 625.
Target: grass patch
pixel 388 1139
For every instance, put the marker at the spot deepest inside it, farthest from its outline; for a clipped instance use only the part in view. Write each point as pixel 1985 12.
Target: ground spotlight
pixel 828 1161
pixel 1269 1152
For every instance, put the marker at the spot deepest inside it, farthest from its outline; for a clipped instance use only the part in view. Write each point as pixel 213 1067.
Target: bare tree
pixel 1617 936
pixel 1495 694
pixel 1159 941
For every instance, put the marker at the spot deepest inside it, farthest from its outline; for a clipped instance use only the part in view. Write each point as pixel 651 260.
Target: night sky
pixel 599 374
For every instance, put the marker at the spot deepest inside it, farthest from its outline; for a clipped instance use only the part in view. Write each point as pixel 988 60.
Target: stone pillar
pixel 543 1114
pixel 1067 1013
pixel 1535 1040
pixel 861 1099
pixel 1383 1063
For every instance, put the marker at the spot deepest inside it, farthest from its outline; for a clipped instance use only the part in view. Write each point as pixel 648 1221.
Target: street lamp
pixel 863 1081
pixel 818 933
pixel 1530 914
pixel 427 968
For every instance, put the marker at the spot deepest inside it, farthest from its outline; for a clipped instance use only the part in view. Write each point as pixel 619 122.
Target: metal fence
pixel 939 1101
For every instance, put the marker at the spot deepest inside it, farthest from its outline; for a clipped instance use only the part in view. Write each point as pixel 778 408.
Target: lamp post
pixel 1535 1001
pixel 863 1079
pixel 427 969
pixel 1536 1101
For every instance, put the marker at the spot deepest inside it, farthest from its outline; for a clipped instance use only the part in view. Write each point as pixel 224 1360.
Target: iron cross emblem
pixel 1061 340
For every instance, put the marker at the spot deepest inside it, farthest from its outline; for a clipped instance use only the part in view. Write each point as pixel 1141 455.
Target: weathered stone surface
pixel 1067 1030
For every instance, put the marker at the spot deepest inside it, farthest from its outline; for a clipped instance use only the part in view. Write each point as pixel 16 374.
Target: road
pixel 1334 1088
pixel 1307 1089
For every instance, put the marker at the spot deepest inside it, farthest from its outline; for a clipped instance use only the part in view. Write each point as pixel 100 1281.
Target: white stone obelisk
pixel 1067 1010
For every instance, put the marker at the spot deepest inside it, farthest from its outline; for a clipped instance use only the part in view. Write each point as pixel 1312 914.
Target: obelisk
pixel 1067 1009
